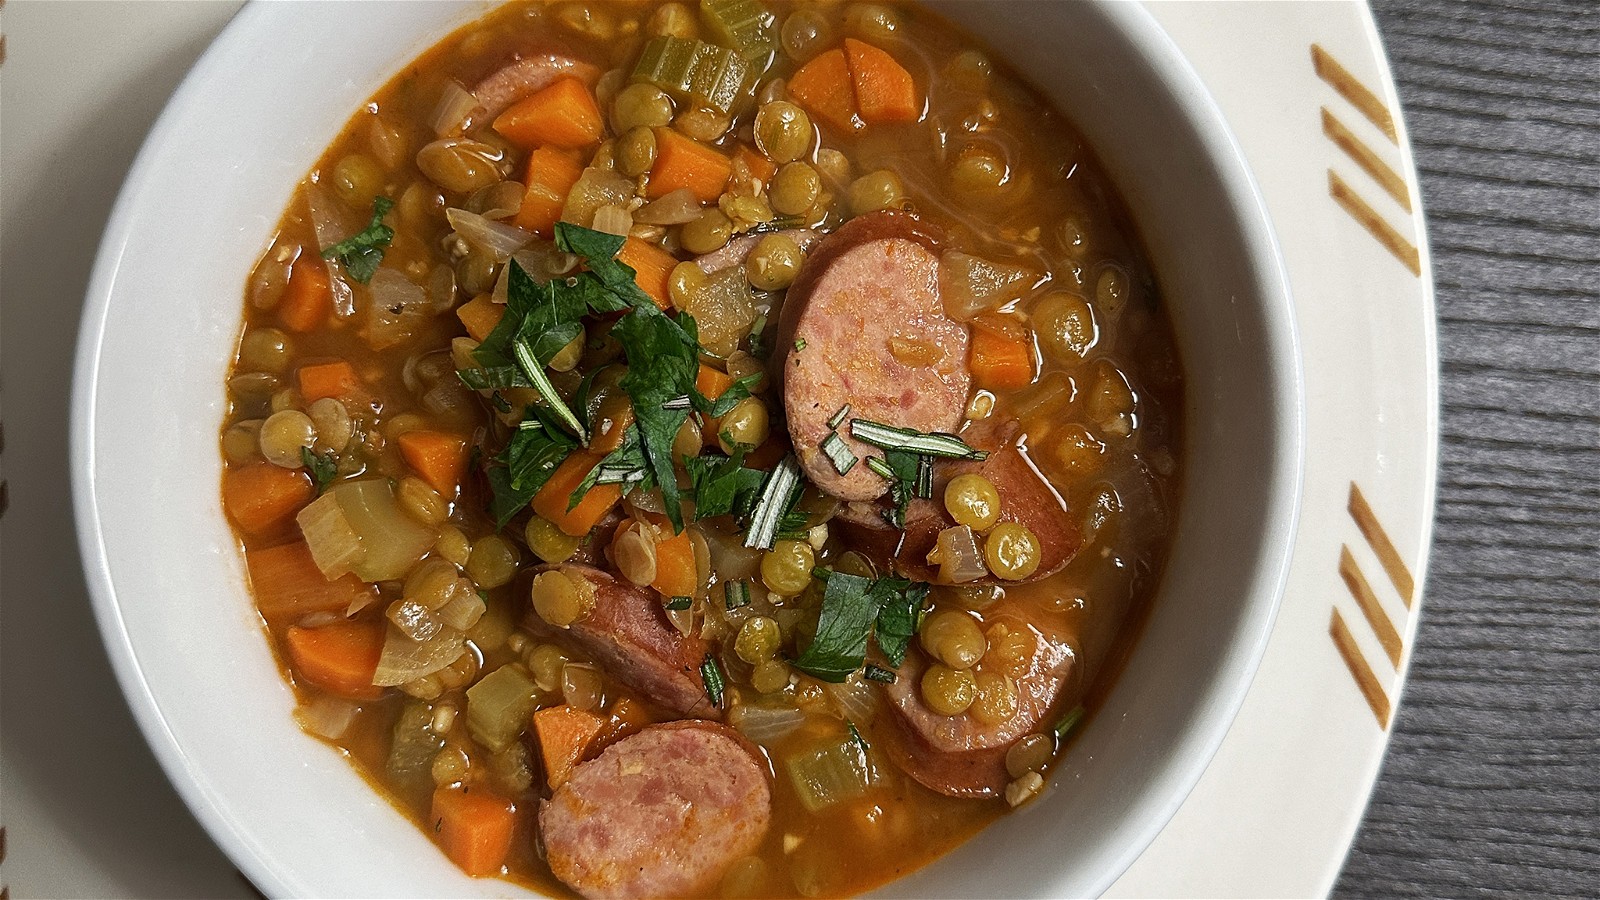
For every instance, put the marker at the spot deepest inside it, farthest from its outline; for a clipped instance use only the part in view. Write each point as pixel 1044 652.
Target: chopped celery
pixel 831 773
pixel 745 25
pixel 499 706
pixel 697 72
pixel 414 745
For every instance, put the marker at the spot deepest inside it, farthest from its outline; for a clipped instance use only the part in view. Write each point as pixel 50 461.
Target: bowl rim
pixel 1268 268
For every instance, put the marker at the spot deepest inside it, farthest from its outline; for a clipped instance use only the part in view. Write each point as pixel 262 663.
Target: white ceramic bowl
pixel 163 312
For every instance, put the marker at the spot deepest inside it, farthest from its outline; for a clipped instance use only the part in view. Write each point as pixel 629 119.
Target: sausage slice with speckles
pixel 863 325
pixel 662 813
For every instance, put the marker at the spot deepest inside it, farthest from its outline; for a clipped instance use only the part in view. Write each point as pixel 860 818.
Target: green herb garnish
pixel 890 437
pixel 839 417
pixel 536 448
pixel 736 594
pixel 711 677
pixel 361 253
pixel 905 472
pixel 856 608
pixel 855 735
pixel 324 468
pixel 879 674
pixel 1069 721
pixel 799 343
pixel 678 604
pixel 778 496
pixel 723 485
pixel 838 453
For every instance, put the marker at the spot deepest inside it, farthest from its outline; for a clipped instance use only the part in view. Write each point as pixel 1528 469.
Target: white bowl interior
pixel 168 583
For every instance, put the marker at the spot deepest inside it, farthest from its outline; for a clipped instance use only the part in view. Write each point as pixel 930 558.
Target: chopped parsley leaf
pixel 324 468
pixel 361 253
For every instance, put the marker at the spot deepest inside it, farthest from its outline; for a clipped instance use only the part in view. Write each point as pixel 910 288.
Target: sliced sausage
pixel 959 755
pixel 526 75
pixel 1026 498
pixel 627 634
pixel 661 813
pixel 863 325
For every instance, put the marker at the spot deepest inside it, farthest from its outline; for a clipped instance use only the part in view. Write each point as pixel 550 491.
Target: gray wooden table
pixel 1492 780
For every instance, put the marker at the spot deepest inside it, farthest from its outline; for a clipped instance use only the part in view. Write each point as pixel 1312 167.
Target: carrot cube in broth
pixel 1001 355
pixel 683 162
pixel 340 657
pixel 474 828
pixel 261 496
pixel 824 87
pixel 307 301
pixel 562 115
pixel 439 457
pixel 334 379
pixel 884 89
pixel 652 269
pixel 565 734
pixel 550 177
pixel 480 315
pixel 553 499
pixel 288 586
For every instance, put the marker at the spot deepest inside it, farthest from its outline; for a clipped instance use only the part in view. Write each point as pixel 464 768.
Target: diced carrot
pixel 474 828
pixel 824 88
pixel 288 585
pixel 339 657
pixel 711 383
pixel 759 167
pixel 676 572
pixel 652 268
pixel 308 299
pixel 1000 355
pixel 335 379
pixel 556 495
pixel 683 162
pixel 262 496
pixel 480 314
pixel 565 733
pixel 562 115
pixel 438 456
pixel 551 175
pixel 884 89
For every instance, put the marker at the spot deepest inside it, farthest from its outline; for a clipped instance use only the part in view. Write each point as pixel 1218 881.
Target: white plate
pixel 1276 810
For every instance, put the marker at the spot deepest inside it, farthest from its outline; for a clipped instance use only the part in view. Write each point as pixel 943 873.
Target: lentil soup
pixel 703 449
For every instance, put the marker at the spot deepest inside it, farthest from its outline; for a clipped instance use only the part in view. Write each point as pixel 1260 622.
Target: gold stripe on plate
pixel 1365 680
pixel 1340 79
pixel 1375 225
pixel 1364 157
pixel 1378 539
pixel 1368 601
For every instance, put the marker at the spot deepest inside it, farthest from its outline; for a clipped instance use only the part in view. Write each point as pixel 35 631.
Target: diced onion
pixel 404 660
pixel 326 717
pixel 971 285
pixel 675 208
pixel 335 546
pixel 957 555
pixel 395 309
pixel 855 699
pixel 613 219
pixel 391 541
pixel 497 239
pixel 455 107
pixel 764 724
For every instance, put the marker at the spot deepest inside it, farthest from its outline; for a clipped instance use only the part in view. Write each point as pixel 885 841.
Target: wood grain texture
pixel 1492 781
